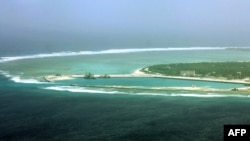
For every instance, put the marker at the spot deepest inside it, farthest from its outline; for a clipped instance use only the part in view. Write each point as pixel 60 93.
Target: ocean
pixel 31 109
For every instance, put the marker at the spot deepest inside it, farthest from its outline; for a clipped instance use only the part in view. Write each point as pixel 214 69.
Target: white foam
pixel 79 89
pixel 110 51
pixel 87 90
pixel 207 95
pixel 18 79
pixel 5 73
pixel 194 95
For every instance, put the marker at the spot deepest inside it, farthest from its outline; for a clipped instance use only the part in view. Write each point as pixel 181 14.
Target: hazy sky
pixel 117 23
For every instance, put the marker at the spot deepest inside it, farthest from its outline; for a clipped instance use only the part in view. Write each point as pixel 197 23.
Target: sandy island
pixel 139 73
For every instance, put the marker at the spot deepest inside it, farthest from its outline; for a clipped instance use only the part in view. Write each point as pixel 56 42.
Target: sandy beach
pixel 139 73
pixel 52 78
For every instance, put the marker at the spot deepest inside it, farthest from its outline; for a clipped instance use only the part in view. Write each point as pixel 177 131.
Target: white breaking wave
pixel 18 79
pixel 6 74
pixel 208 95
pixel 78 89
pixel 110 51
pixel 194 95
pixel 86 90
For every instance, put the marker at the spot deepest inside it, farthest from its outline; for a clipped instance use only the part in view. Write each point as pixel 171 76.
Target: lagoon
pixel 32 110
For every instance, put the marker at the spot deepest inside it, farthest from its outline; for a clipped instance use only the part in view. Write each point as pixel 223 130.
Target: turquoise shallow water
pixel 28 111
pixel 117 63
pixel 151 82
pixel 26 68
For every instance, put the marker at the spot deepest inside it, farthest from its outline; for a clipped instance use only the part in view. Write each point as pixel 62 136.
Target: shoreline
pixel 139 73
pixel 237 81
pixel 203 90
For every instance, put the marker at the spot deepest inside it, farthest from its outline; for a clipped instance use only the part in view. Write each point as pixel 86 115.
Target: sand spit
pixel 139 73
pixel 52 78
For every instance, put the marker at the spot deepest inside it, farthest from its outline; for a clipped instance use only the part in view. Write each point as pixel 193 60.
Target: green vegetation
pixel 228 70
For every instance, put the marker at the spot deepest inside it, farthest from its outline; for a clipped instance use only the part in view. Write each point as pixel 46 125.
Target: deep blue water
pixel 30 113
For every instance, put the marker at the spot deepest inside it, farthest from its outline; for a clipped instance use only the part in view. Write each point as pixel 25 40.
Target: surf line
pixel 109 51
pixel 76 89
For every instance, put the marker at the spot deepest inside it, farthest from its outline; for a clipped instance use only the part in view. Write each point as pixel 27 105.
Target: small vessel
pixel 74 85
